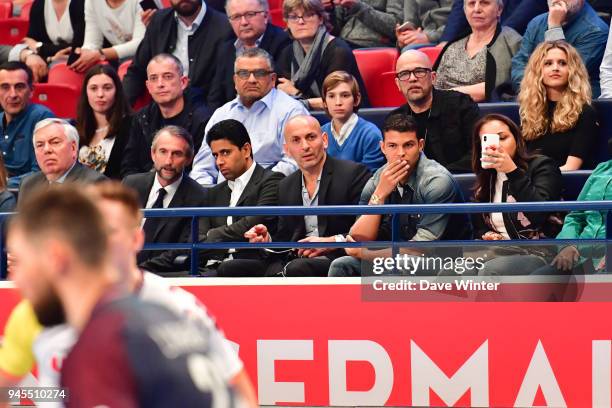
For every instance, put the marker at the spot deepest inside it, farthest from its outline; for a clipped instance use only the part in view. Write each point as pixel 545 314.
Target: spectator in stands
pixel 573 21
pixel 587 258
pixel 479 63
pixel 409 177
pixel 555 106
pixel 113 31
pixel 445 119
pixel 22 53
pixel 55 27
pixel 365 23
pixel 167 84
pixel 516 14
pixel 246 184
pixel 350 137
pixel 314 54
pixel 261 108
pixel 426 21
pixel 56 143
pixel 168 187
pixel 193 33
pixel 7 198
pixel 103 121
pixel 250 22
pixel 606 70
pixel 18 120
pixel 321 180
pixel 504 174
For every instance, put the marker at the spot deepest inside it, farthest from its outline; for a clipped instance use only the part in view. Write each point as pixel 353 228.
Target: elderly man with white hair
pixel 56 146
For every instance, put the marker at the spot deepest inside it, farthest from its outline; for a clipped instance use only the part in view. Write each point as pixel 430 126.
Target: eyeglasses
pixel 294 18
pixel 257 73
pixel 248 15
pixel 417 72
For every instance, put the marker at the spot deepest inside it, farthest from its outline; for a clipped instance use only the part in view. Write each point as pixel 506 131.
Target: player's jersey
pixel 22 327
pixel 140 354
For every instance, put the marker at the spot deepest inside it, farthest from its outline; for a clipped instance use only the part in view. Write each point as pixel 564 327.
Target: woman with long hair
pixel 103 121
pixel 350 137
pixel 505 173
pixel 557 119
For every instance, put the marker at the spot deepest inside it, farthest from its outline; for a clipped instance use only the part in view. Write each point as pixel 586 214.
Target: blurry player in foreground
pixel 126 348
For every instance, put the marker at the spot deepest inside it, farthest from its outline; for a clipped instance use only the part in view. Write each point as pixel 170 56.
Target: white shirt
pixel 121 26
pixel 181 51
pixel 170 191
pixel 497 219
pixel 58 29
pixel 605 70
pixel 345 130
pixel 237 186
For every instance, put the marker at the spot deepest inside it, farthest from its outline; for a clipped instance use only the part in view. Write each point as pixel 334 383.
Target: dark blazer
pixel 78 174
pixel 38 30
pixel 341 184
pixel 274 40
pixel 262 190
pixel 173 230
pixel 161 36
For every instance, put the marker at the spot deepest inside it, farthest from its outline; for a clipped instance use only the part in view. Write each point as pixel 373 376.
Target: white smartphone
pixel 407 26
pixel 488 140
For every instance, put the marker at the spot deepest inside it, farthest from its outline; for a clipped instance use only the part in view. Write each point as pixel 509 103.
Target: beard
pixel 187 8
pixel 49 310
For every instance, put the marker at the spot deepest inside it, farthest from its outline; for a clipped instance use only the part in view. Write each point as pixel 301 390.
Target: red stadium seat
pixel 432 52
pixel 123 68
pixel 61 99
pixel 166 3
pixel 142 101
pixel 386 94
pixel 6 10
pixel 60 74
pixel 12 30
pixel 372 63
pixel 25 10
pixel 276 16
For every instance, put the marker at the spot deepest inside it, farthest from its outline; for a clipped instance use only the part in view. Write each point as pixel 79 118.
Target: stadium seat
pixel 61 74
pixel 432 52
pixel 25 10
pixel 142 101
pixel 276 16
pixel 12 30
pixel 6 10
pixel 123 68
pixel 61 99
pixel 372 64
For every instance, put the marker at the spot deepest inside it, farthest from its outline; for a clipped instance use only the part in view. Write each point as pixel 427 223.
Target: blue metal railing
pixel 393 210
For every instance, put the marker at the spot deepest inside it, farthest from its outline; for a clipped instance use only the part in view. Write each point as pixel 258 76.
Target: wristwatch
pixel 375 200
pixel 38 45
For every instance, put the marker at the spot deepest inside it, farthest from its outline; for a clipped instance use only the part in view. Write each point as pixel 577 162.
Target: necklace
pixel 102 129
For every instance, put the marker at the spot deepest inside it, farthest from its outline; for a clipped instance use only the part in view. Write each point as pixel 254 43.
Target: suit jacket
pixel 274 41
pixel 78 174
pixel 341 184
pixel 262 190
pixel 169 230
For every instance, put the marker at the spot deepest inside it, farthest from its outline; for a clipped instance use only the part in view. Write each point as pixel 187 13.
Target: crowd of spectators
pixel 228 120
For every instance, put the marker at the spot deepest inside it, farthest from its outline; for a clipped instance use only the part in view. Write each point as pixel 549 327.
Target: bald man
pixel 320 180
pixel 445 119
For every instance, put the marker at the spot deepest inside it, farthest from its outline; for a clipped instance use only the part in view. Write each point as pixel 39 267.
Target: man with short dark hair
pixel 246 184
pixel 261 108
pixel 409 177
pixel 171 105
pixel 167 187
pixel 18 120
pixel 56 146
pixel 189 30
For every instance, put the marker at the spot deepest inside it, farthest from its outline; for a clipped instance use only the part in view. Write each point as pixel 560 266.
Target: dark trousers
pixel 274 267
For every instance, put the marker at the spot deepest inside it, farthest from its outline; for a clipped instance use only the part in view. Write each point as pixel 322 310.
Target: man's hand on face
pixel 557 13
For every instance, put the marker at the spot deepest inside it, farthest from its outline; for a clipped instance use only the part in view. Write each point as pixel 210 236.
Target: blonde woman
pixel 557 119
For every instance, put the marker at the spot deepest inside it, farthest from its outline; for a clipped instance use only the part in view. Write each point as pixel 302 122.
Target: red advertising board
pixel 318 342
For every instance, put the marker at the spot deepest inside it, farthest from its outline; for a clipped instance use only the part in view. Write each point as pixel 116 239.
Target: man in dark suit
pixel 167 187
pixel 250 20
pixel 246 184
pixel 56 146
pixel 320 180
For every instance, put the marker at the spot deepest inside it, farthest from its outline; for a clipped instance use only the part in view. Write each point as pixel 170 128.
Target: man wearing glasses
pixel 445 119
pixel 261 108
pixel 251 23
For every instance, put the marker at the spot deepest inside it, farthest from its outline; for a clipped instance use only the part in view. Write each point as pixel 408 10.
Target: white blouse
pixel 497 219
pixel 58 29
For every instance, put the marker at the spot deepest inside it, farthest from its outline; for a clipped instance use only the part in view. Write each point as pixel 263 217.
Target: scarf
pixel 304 66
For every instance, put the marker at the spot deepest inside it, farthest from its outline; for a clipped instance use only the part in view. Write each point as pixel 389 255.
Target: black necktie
pixel 151 224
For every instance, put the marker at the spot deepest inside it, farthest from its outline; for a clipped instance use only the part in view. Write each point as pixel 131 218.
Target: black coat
pixel 137 153
pixel 160 37
pixel 341 184
pixel 274 40
pixel 173 230
pixel 38 30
